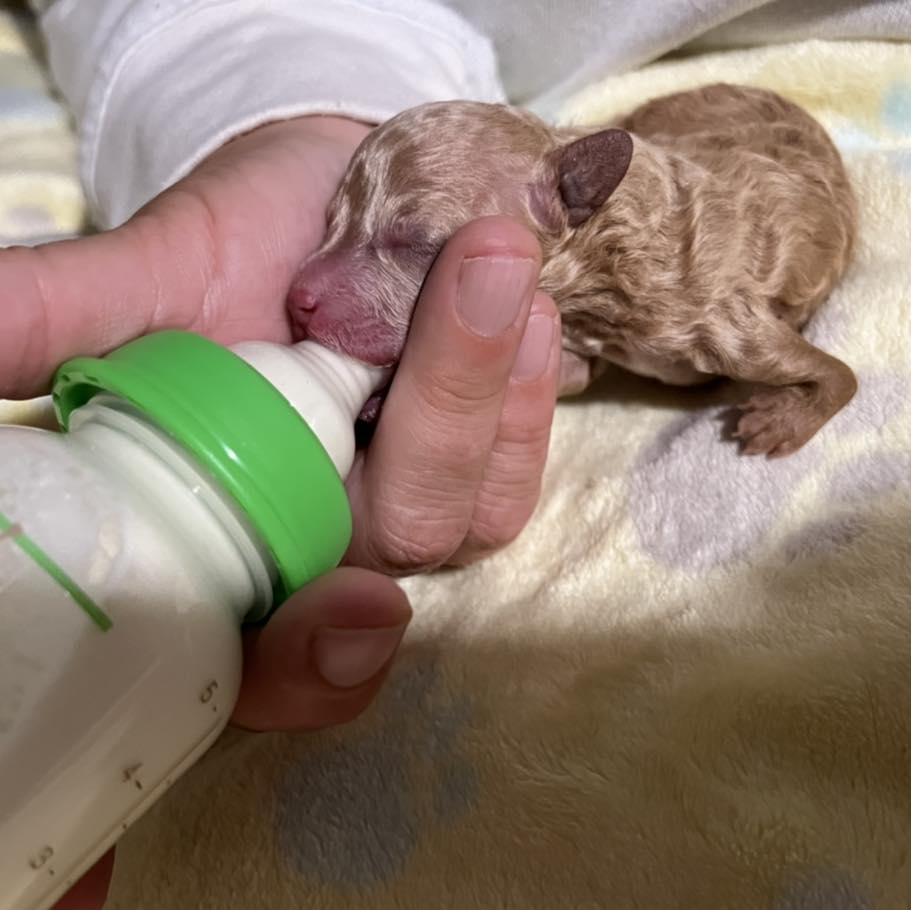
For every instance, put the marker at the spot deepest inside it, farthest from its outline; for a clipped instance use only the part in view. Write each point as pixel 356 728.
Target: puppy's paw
pixel 777 423
pixel 575 374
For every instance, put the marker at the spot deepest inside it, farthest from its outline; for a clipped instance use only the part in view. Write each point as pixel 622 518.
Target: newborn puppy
pixel 692 239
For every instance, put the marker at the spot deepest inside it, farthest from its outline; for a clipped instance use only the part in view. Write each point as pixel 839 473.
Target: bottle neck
pixel 351 381
pixel 327 389
pixel 170 483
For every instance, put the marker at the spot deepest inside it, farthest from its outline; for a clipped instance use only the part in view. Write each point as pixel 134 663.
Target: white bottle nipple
pixel 326 388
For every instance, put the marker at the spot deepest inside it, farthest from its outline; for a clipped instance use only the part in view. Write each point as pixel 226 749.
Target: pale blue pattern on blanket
pixel 819 889
pixel 696 507
pixel 353 816
pixel 741 499
pixel 897 108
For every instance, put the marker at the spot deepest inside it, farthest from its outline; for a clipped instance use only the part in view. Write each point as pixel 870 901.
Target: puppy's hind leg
pixel 808 386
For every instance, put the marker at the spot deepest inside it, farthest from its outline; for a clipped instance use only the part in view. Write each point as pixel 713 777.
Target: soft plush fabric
pixel 40 197
pixel 687 685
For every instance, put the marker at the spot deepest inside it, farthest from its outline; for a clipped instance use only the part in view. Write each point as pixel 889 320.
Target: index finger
pixel 413 493
pixel 66 298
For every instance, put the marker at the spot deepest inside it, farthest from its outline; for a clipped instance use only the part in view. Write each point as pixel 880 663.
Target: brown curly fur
pixel 732 221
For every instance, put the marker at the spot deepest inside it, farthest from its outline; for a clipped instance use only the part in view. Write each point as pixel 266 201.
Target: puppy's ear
pixel 590 169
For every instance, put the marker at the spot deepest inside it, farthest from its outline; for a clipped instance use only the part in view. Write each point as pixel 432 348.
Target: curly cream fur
pixel 732 225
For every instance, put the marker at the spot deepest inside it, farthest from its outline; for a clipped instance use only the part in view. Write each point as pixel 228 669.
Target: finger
pixel 413 493
pixel 232 231
pixel 163 269
pixel 322 657
pixel 71 297
pixel 90 892
pixel 512 481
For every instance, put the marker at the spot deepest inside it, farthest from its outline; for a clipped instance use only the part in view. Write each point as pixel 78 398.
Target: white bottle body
pixel 95 725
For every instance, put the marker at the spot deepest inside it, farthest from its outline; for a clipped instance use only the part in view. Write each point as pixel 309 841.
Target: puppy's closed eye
pixel 408 237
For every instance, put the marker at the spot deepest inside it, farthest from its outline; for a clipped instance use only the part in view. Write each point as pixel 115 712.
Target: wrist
pixel 342 132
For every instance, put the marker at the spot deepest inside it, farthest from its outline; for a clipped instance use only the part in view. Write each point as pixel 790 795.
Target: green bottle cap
pixel 240 430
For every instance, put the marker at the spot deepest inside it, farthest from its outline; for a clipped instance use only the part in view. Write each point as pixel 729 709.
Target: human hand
pixel 213 254
pixel 318 662
pixel 454 468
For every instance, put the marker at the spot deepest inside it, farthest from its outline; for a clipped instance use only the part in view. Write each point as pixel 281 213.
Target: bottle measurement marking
pixel 12 531
pixel 208 692
pixel 130 774
pixel 41 857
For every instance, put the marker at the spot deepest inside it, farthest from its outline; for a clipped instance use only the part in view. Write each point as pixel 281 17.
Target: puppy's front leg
pixel 577 373
pixel 808 385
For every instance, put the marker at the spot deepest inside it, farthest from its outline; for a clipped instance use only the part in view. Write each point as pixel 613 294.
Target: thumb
pixel 323 656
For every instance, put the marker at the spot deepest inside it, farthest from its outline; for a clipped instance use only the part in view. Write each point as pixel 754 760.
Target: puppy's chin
pixel 370 413
pixel 369 341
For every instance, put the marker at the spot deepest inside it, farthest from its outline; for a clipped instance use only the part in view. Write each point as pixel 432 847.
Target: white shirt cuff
pixel 166 83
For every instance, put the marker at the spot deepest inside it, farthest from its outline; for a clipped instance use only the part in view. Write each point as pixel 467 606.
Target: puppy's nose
pixel 304 299
pixel 303 304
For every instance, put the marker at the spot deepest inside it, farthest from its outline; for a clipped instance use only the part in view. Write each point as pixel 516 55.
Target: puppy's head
pixel 412 184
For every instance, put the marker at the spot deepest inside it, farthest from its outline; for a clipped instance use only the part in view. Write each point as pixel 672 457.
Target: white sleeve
pixel 157 85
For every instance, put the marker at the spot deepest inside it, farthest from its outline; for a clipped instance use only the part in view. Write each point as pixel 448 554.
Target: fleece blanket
pixel 687 684
pixel 40 196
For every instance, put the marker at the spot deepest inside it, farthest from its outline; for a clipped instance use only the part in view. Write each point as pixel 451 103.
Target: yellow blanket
pixel 687 685
pixel 40 196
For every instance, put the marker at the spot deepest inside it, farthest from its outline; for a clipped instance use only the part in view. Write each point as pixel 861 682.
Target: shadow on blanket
pixel 769 753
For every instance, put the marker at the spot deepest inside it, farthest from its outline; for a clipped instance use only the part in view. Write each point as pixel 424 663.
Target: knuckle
pixel 523 440
pixel 508 496
pixel 499 521
pixel 183 227
pixel 446 393
pixel 26 303
pixel 451 444
pixel 405 542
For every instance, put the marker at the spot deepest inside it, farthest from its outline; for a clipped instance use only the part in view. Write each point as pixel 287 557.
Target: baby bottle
pixel 194 489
